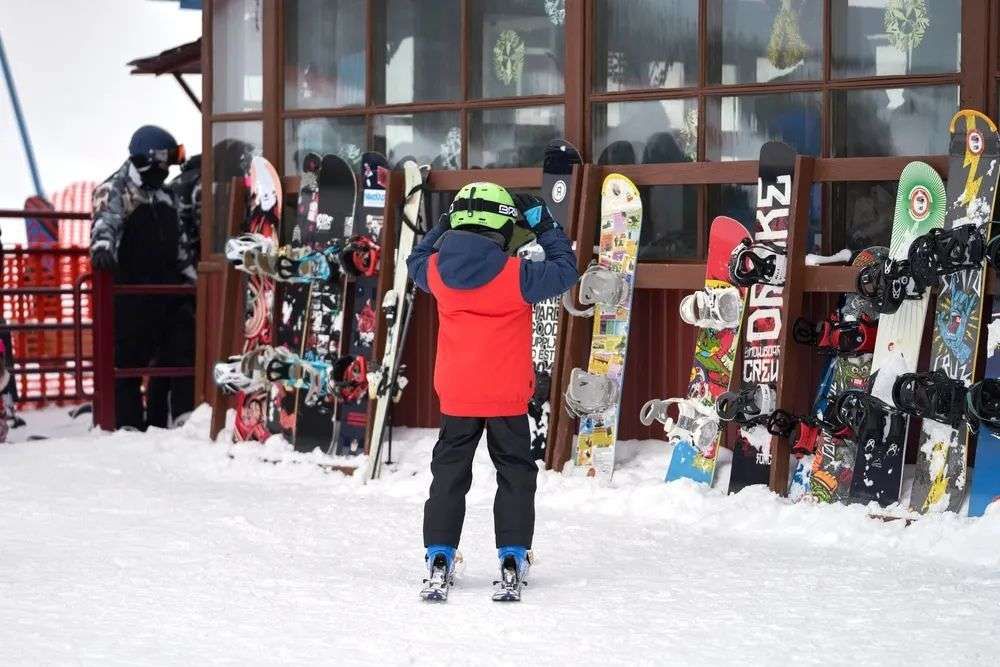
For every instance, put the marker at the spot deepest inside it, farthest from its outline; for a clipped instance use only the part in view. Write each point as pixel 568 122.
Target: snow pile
pixel 166 548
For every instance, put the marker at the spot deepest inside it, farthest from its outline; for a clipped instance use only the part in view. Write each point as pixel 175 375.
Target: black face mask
pixel 154 176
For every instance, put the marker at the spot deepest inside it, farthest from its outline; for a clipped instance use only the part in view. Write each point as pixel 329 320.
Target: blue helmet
pixel 151 144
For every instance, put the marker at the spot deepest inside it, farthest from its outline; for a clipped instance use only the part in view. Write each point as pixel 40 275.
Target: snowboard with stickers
pixel 292 297
pixel 941 479
pixel 264 218
pixel 323 313
pixel 360 263
pixel 826 467
pixel 594 395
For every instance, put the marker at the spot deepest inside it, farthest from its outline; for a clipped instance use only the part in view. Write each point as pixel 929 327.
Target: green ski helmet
pixel 484 208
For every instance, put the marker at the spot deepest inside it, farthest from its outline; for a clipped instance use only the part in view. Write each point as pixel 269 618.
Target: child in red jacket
pixel 483 374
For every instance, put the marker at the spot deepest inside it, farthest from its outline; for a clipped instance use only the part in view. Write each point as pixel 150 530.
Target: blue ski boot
pixel 514 565
pixel 440 561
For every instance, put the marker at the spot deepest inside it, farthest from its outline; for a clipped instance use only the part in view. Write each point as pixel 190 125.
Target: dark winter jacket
pixel 140 226
pixel 484 297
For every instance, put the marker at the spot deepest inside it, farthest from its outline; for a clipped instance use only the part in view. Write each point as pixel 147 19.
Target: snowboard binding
pixel 589 394
pixel 600 286
pixel 937 253
pixel 696 422
pixel 931 395
pixel 713 308
pixel 758 263
pixel 360 256
pixel 983 403
pixel 861 417
pixel 749 406
pixel 351 377
pixel 246 372
pixel 257 255
pixel 834 336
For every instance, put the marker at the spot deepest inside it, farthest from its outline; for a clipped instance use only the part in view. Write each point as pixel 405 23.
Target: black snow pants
pixel 509 443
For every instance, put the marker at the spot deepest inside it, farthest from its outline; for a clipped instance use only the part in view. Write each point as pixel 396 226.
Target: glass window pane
pixel 645 44
pixel 740 203
pixel 892 37
pixel 237 56
pixel 516 47
pixel 670 223
pixel 416 52
pixel 512 137
pixel 646 132
pixel 739 125
pixel 343 136
pixel 433 138
pixel 862 213
pixel 233 145
pixel 896 121
pixel 324 53
pixel 750 41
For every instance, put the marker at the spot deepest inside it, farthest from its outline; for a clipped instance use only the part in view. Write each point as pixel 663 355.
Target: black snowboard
pixel 557 174
pixel 292 298
pixel 324 310
pixel 359 326
pixel 762 329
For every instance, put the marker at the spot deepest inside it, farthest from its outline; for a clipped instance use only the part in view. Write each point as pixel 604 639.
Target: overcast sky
pixel 68 58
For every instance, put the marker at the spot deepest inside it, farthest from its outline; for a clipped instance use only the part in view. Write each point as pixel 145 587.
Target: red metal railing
pixel 101 326
pixel 105 371
pixel 49 332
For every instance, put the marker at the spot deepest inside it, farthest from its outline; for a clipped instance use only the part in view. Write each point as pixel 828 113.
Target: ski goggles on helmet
pixel 161 156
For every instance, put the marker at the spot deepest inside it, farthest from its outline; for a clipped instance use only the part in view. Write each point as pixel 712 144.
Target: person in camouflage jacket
pixel 138 236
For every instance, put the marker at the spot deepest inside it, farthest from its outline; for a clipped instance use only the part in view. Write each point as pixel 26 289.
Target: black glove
pixel 101 257
pixel 534 214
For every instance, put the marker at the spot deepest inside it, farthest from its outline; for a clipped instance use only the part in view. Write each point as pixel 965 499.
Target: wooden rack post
pixel 387 272
pixel 232 304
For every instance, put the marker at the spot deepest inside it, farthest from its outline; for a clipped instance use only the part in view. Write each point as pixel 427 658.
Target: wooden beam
pixel 387 273
pixel 794 363
pixel 576 331
pixel 232 300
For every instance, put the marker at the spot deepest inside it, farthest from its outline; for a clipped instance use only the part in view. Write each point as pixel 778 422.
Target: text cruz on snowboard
pixel 484 298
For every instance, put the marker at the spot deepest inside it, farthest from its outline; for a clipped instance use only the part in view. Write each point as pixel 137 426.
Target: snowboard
pixel 557 174
pixel 258 302
pixel 714 356
pixel 761 352
pixel 621 223
pixel 798 486
pixel 831 467
pixel 941 478
pixel 323 313
pixel 293 297
pixel 384 383
pixel 359 326
pixel 920 207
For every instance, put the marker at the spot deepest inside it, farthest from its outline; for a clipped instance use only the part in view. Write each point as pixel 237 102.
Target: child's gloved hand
pixel 534 213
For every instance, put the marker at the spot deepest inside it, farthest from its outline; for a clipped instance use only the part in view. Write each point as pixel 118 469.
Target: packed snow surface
pixel 165 548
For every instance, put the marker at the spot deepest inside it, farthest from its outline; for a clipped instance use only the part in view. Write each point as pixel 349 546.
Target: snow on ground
pixel 164 548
